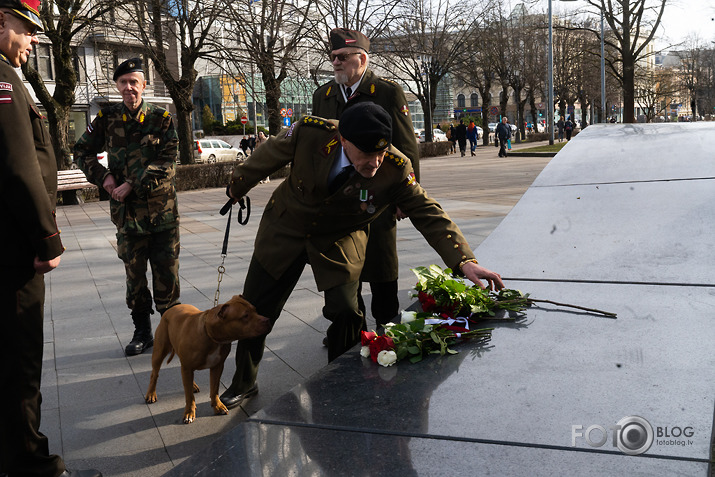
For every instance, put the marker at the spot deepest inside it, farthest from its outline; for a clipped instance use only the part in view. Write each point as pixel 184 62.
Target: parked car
pixel 216 150
pixel 492 127
pixel 437 135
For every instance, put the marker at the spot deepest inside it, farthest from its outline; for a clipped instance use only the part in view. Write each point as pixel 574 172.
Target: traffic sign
pixel 494 110
pixel 540 105
pixel 284 112
pixel 286 121
pixel 244 119
pixel 290 113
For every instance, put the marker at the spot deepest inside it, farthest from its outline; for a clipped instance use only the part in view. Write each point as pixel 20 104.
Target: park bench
pixel 71 181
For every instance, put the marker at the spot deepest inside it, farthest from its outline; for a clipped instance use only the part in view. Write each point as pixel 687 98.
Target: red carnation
pixel 427 301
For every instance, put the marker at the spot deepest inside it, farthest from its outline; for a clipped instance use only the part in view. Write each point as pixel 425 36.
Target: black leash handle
pixel 228 208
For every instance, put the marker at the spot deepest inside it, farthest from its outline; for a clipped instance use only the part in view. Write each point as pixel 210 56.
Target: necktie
pixel 348 92
pixel 341 178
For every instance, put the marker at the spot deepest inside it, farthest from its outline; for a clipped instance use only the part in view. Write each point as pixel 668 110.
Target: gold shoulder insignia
pixel 396 160
pixel 389 81
pixel 100 113
pixel 318 122
pixel 373 88
pixel 327 93
pixel 166 114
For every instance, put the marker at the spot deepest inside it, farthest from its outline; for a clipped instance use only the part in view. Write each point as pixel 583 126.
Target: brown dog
pixel 202 339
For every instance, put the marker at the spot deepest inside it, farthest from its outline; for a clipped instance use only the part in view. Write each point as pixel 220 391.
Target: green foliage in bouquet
pixel 440 292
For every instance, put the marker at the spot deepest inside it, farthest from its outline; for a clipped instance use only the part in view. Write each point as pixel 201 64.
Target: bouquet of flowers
pixel 449 306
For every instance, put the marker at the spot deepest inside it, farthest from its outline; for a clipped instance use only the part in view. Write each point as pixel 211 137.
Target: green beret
pixel 367 126
pixel 342 38
pixel 130 66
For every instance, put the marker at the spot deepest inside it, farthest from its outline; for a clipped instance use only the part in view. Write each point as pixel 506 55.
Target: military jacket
pixel 328 103
pixel 28 177
pixel 302 216
pixel 142 150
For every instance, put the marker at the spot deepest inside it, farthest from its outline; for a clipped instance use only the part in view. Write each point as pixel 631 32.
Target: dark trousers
pixel 161 251
pixel 269 296
pixel 502 148
pixel 385 304
pixel 24 450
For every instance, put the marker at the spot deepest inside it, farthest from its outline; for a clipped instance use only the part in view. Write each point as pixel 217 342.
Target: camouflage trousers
pixel 161 251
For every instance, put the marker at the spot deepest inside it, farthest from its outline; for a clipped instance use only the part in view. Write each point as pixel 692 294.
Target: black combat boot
pixel 143 338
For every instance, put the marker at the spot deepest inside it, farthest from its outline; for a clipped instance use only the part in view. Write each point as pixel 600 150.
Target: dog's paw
pixel 196 388
pixel 150 398
pixel 189 417
pixel 220 409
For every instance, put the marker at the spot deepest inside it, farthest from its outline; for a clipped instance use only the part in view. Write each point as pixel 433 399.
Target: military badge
pixel 382 143
pixel 328 148
pixel 411 179
pixel 372 88
pixel 405 110
pixel 5 86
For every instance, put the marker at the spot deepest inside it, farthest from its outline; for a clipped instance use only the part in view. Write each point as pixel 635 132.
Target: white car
pixel 215 150
pixel 437 135
pixel 492 127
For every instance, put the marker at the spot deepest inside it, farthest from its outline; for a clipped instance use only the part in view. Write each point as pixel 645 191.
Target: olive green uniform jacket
pixel 142 150
pixel 303 217
pixel 28 178
pixel 382 263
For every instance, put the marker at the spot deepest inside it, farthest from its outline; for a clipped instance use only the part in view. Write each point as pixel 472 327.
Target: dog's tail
pixel 171 356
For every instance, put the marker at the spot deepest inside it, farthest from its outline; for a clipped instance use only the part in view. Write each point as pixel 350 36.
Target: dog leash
pixel 228 208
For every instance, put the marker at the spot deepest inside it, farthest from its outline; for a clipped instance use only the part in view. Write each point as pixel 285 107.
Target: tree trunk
pixel 183 130
pixel 486 104
pixel 629 102
pixel 58 118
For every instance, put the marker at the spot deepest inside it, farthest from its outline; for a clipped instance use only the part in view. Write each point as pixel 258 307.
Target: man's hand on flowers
pixel 476 273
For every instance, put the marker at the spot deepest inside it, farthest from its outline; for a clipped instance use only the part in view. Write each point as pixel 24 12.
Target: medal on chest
pixel 366 201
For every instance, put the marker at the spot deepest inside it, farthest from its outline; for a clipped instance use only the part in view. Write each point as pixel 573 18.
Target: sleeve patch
pixel 328 148
pixel 410 180
pixel 405 110
pixel 5 99
pixel 5 86
pixel 90 129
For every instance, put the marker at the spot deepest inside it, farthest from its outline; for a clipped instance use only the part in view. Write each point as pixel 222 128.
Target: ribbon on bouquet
pixel 453 323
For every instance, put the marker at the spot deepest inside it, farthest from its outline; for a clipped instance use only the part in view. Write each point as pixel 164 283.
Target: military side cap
pixel 130 66
pixel 342 38
pixel 27 9
pixel 366 125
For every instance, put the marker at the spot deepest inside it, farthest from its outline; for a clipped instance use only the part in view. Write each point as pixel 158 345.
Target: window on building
pixel 41 60
pixel 461 103
pixel 474 100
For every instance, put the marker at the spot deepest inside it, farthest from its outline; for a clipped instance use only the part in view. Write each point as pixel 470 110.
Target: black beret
pixel 130 66
pixel 342 38
pixel 366 125
pixel 28 9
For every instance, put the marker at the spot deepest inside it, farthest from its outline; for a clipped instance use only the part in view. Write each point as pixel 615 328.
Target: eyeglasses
pixel 32 28
pixel 342 56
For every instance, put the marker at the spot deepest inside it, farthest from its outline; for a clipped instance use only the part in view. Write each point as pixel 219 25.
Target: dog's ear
pixel 222 311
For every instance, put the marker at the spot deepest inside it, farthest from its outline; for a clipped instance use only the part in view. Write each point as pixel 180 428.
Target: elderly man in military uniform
pixel 31 248
pixel 354 83
pixel 342 177
pixel 142 146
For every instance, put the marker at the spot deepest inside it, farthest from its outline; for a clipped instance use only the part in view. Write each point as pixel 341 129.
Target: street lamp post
pixel 603 76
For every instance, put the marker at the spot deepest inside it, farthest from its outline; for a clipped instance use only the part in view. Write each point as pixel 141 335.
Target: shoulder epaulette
pixel 390 81
pixel 395 159
pixel 319 122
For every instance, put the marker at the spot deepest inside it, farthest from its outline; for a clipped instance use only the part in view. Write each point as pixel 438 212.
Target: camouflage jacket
pixel 142 151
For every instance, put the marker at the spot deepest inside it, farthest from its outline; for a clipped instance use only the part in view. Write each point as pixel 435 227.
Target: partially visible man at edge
pixel 354 83
pixel 31 247
pixel 142 147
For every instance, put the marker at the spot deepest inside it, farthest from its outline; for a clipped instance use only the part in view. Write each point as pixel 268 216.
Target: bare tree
pixel 66 25
pixel 429 40
pixel 633 24
pixel 656 90
pixel 272 35
pixel 168 28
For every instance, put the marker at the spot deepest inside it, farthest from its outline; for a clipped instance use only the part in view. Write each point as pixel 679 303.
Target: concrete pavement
pixel 94 412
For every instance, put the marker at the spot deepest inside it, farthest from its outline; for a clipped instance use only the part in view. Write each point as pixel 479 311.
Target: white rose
pixel 386 358
pixel 365 351
pixel 408 316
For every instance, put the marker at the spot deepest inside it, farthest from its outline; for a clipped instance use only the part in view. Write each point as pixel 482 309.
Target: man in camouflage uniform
pixel 355 83
pixel 142 147
pixel 340 181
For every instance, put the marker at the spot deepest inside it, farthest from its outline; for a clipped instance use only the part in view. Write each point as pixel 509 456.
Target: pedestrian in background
pixel 462 137
pixel 568 128
pixel 31 248
pixel 452 139
pixel 142 147
pixel 560 125
pixel 473 136
pixel 503 134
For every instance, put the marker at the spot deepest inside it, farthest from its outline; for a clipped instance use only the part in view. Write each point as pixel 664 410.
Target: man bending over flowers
pixel 342 176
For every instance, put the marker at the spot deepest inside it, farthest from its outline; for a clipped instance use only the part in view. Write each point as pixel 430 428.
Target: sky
pixel 680 19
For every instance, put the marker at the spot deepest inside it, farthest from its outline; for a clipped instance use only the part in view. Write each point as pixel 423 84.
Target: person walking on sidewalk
pixel 503 133
pixel 462 137
pixel 142 147
pixel 342 176
pixel 473 136
pixel 32 247
pixel 354 83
